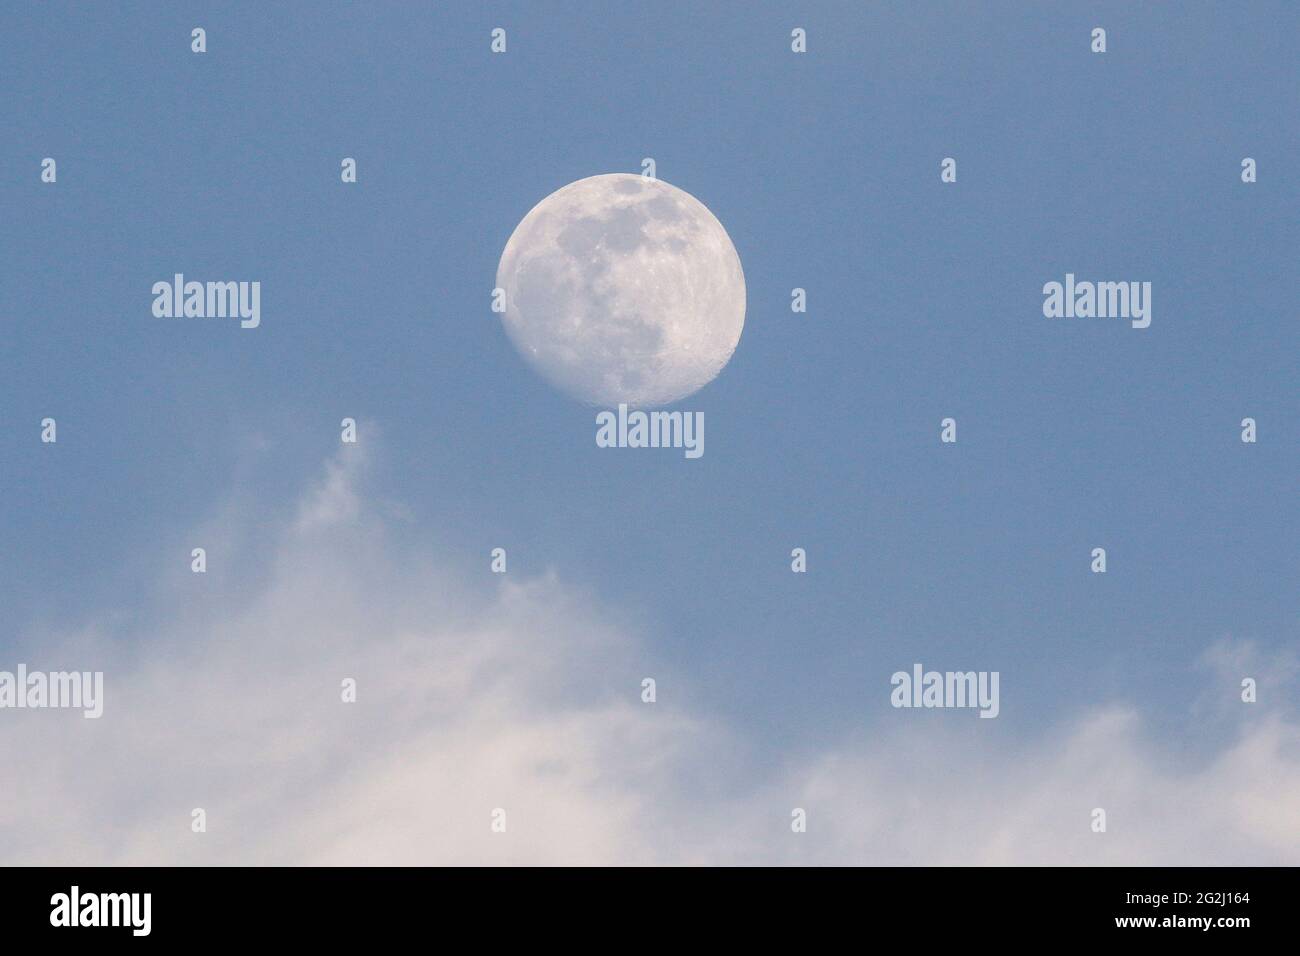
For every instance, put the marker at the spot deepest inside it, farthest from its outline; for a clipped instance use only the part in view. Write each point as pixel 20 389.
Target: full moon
pixel 622 288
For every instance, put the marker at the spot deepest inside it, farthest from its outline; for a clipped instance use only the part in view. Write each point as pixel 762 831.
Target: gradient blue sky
pixel 924 302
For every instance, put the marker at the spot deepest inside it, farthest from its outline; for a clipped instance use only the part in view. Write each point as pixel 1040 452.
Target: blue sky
pixel 924 301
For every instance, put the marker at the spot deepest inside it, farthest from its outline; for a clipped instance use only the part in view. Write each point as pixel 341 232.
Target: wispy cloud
pixel 527 698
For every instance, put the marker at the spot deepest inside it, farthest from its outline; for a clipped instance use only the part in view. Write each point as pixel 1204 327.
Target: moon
pixel 623 289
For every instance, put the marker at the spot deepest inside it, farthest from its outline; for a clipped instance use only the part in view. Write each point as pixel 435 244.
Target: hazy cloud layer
pixel 527 699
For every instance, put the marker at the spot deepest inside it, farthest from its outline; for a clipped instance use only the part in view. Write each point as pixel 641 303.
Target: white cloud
pixel 527 698
pixel 925 798
pixel 334 499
